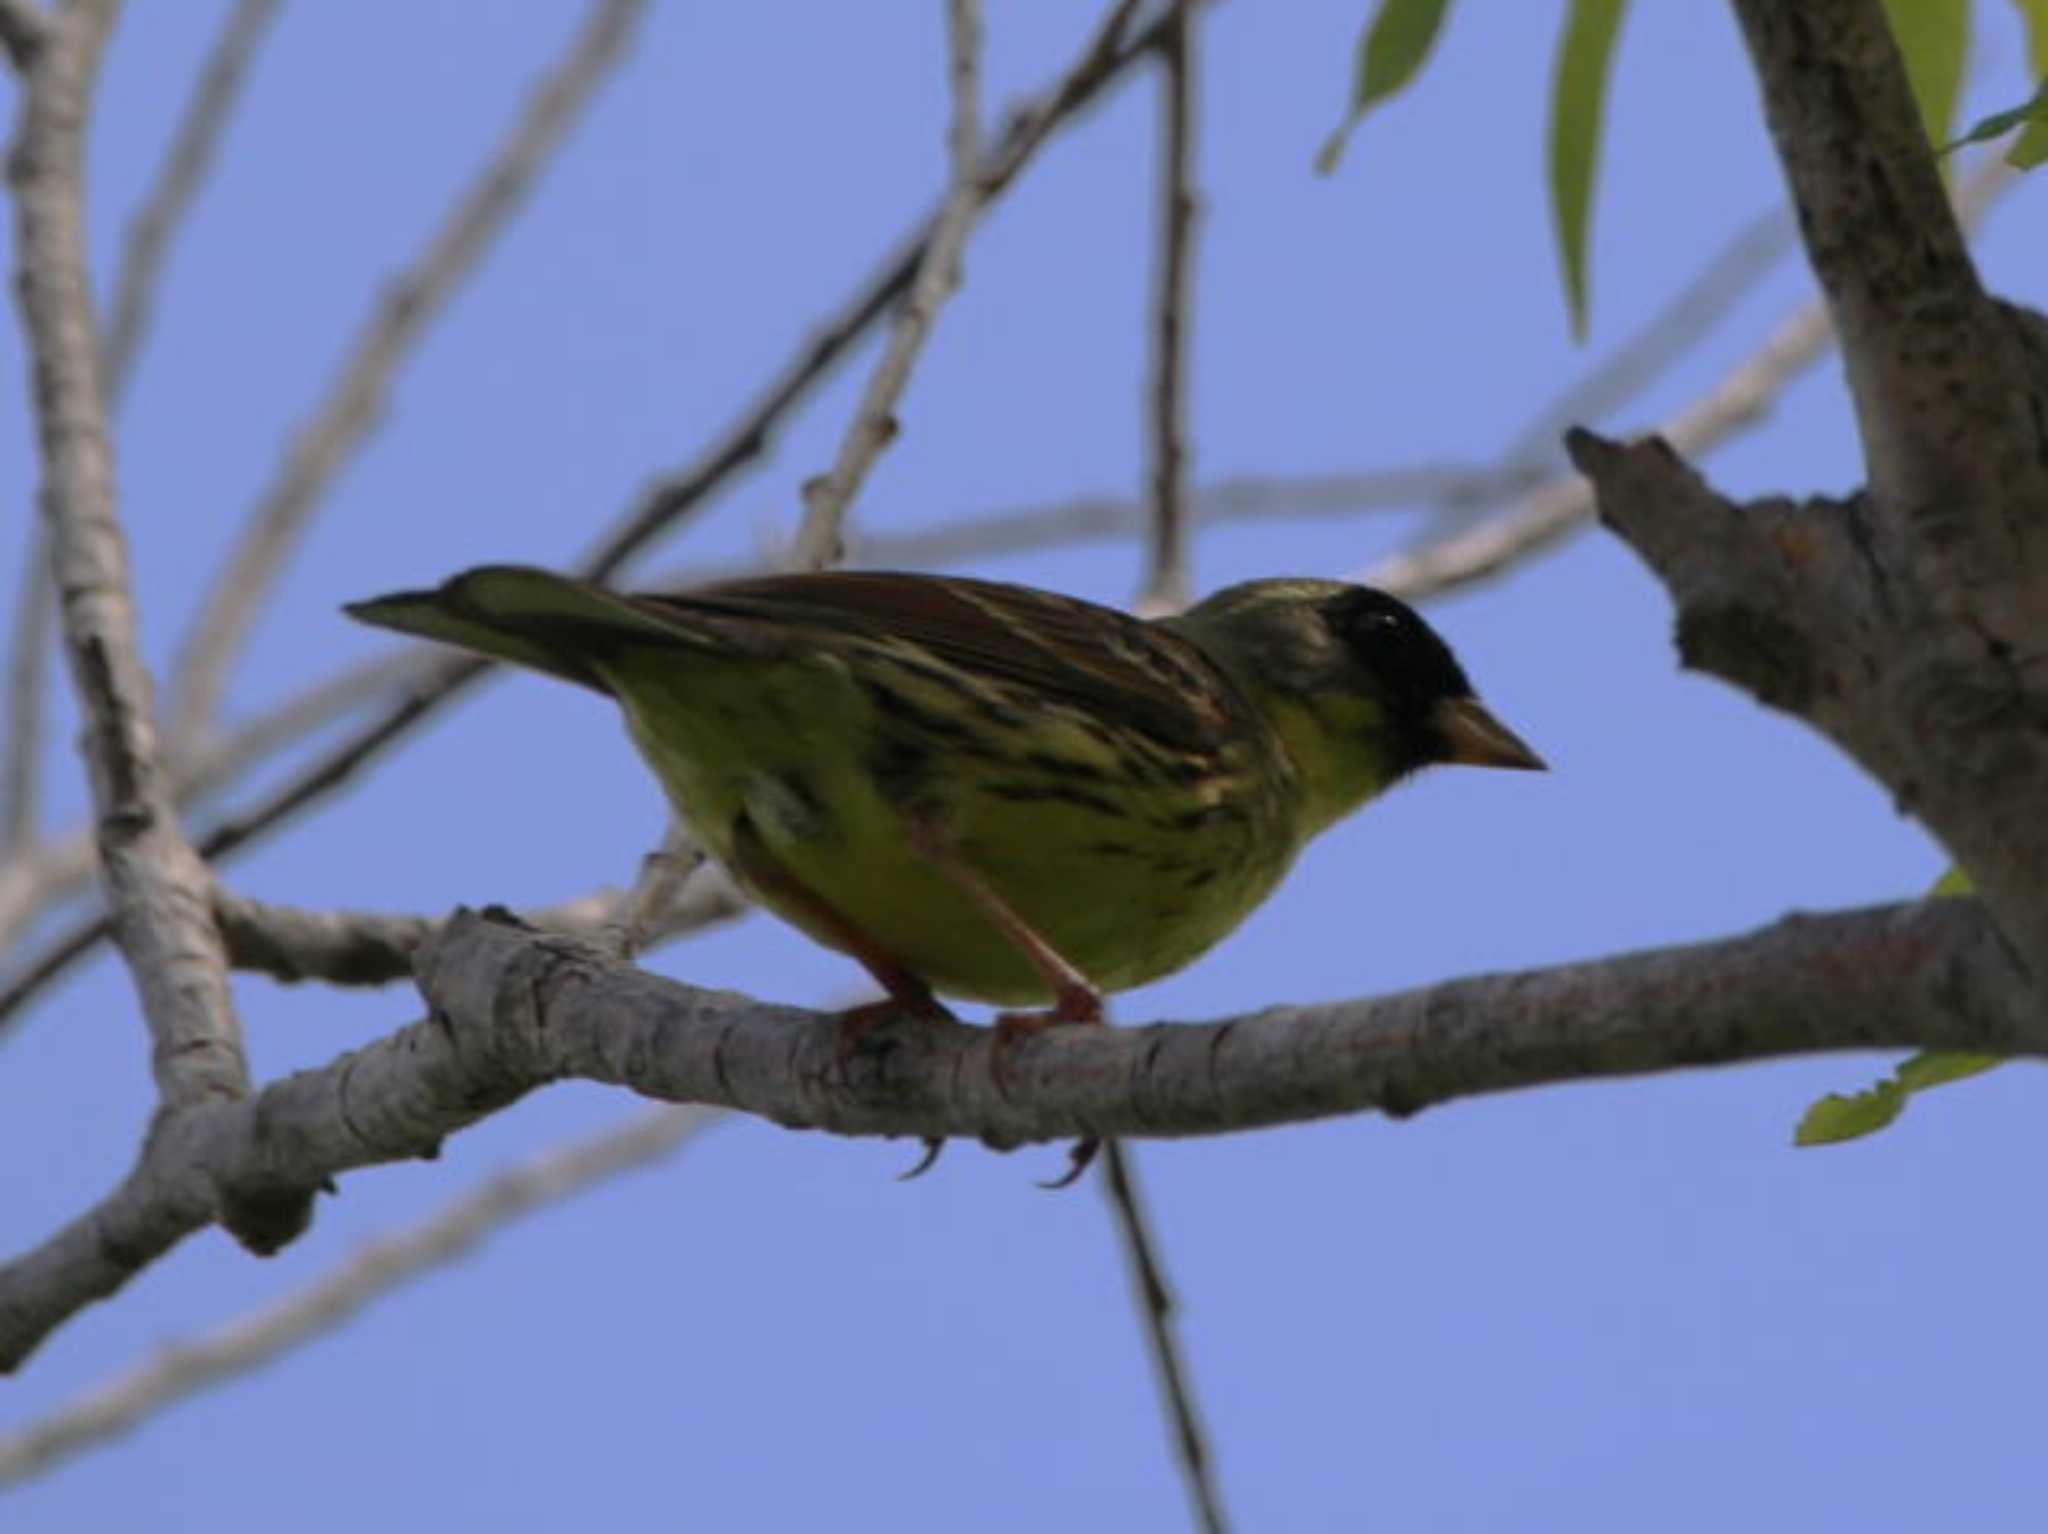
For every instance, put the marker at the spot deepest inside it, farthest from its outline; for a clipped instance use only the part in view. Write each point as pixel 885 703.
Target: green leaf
pixel 2031 147
pixel 1577 104
pixel 1836 1117
pixel 2033 113
pixel 1954 882
pixel 1933 37
pixel 1933 1068
pixel 1391 49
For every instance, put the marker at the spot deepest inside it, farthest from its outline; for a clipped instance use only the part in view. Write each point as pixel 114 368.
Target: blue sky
pixel 1597 1307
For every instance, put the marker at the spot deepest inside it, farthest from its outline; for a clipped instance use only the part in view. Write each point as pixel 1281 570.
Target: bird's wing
pixel 1114 667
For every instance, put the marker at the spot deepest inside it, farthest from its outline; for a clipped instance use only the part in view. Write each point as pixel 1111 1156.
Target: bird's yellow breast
pixel 1128 860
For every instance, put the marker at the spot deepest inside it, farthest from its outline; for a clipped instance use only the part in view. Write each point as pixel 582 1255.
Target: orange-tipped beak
pixel 1473 736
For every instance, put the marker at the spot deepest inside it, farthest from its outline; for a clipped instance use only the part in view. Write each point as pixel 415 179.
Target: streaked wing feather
pixel 1089 657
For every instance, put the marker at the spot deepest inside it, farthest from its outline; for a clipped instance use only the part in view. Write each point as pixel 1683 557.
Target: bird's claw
pixel 1079 1159
pixel 932 1146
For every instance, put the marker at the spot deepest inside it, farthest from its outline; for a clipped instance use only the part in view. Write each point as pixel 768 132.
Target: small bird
pixel 986 790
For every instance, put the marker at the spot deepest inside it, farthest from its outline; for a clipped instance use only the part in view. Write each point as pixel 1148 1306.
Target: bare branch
pixel 184 171
pixel 27 655
pixel 57 869
pixel 1740 398
pixel 355 399
pixel 1156 1310
pixel 23 30
pixel 291 943
pixel 511 1011
pixel 1167 585
pixel 186 1368
pixel 155 884
pixel 827 498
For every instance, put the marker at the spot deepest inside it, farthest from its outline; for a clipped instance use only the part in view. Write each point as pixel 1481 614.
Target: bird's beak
pixel 1473 736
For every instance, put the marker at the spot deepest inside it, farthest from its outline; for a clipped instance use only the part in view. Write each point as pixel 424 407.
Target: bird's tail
pixel 534 618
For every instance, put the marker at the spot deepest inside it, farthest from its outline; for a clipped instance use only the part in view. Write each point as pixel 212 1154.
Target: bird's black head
pixel 1404 663
pixel 1381 684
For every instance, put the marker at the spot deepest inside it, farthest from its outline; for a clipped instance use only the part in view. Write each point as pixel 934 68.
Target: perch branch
pixel 512 1011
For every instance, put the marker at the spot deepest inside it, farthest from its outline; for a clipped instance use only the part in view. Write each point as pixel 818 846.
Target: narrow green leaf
pixel 1934 1068
pixel 1934 39
pixel 2032 112
pixel 2031 147
pixel 1836 1117
pixel 1391 48
pixel 1577 104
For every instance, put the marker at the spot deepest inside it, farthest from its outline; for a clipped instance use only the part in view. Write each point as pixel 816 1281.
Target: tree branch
pixel 1933 366
pixel 512 1010
pixel 156 886
pixel 1741 397
pixel 828 497
pixel 1167 587
pixel 292 944
pixel 184 170
pixel 355 399
pixel 181 1369
pixel 21 773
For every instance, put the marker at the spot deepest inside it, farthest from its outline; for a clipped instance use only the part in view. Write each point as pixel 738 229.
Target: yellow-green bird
pixel 985 790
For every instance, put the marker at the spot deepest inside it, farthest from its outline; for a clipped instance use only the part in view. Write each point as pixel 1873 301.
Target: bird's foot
pixel 1071 1004
pixel 856 1023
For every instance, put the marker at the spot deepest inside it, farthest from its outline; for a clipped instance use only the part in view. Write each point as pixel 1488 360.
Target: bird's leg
pixel 907 993
pixel 1074 998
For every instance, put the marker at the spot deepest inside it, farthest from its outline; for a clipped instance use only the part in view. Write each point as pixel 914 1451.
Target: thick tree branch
pixel 1934 367
pixel 513 1010
pixel 156 886
pixel 1906 624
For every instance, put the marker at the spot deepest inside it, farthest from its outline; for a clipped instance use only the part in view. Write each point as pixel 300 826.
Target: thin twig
pixel 373 1271
pixel 873 427
pixel 1167 583
pixel 663 505
pixel 1156 1312
pixel 58 868
pixel 184 171
pixel 155 884
pixel 292 943
pixel 1740 397
pixel 27 664
pixel 355 399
